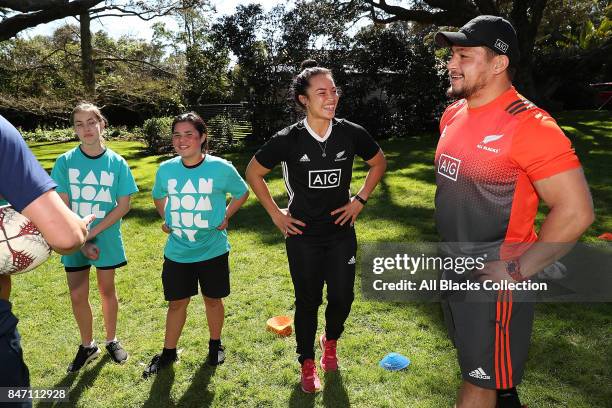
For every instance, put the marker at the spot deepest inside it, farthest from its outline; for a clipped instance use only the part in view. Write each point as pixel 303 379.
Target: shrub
pixel 49 135
pixel 222 129
pixel 157 133
pixel 68 134
pixel 122 133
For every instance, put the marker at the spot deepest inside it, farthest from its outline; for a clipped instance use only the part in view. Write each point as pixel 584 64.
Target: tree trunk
pixel 526 17
pixel 87 62
pixel 524 80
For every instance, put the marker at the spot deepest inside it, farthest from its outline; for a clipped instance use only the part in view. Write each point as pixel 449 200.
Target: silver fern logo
pixel 489 139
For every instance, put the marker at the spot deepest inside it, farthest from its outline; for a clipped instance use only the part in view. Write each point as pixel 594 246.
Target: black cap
pixel 489 31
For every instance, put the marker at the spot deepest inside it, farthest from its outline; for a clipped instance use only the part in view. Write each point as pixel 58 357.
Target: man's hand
pixel 89 219
pixel 63 230
pixel 494 271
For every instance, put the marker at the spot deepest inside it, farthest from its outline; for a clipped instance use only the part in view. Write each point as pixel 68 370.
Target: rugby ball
pixel 22 246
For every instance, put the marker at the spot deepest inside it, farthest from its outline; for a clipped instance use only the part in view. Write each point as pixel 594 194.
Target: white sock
pixel 90 345
pixel 110 341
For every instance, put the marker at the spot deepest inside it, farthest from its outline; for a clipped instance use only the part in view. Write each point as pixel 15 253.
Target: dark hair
pixel 301 82
pixel 197 122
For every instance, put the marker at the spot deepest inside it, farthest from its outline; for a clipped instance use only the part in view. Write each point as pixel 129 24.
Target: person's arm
pixel 30 190
pixel 122 208
pixel 160 206
pixel 232 208
pixel 569 216
pixel 62 229
pixel 255 173
pixel 542 150
pixel 350 211
pixel 571 213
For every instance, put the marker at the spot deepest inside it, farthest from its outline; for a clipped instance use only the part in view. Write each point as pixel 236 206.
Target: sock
pixel 169 352
pixel 90 345
pixel 508 398
pixel 214 344
pixel 111 341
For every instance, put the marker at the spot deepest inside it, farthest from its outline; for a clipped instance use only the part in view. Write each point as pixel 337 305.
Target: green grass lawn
pixel 569 362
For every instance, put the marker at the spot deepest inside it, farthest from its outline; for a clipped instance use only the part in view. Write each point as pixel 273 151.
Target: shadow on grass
pixel 334 392
pixel 299 399
pixel 198 394
pixel 85 381
pixel 159 394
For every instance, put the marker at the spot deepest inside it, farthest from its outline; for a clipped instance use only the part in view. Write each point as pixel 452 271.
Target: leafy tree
pixel 206 66
pixel 256 76
pixel 22 14
pixel 40 78
pixel 525 15
pixel 402 87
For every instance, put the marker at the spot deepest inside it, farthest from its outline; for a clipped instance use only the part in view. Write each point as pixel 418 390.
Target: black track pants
pixel 314 261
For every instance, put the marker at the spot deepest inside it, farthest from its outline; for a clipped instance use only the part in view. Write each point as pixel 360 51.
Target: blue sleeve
pixel 59 174
pixel 22 179
pixel 160 186
pixel 234 184
pixel 127 184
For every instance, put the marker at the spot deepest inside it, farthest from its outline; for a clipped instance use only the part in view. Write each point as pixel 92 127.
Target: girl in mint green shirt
pixel 190 194
pixel 92 179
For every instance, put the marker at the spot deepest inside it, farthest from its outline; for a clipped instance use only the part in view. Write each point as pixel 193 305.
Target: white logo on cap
pixel 500 45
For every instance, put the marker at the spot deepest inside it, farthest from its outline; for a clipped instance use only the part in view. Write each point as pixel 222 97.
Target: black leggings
pixel 314 261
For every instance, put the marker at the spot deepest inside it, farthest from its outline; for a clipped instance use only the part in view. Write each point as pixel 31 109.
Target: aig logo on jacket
pixel 324 178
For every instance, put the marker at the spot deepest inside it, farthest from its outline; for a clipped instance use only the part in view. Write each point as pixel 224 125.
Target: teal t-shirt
pixel 197 197
pixel 93 185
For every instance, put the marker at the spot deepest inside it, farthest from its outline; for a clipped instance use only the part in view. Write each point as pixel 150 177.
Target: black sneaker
pixel 116 351
pixel 84 355
pixel 158 362
pixel 216 357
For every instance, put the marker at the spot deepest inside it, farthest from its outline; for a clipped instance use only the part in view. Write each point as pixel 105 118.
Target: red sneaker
pixel 310 379
pixel 329 361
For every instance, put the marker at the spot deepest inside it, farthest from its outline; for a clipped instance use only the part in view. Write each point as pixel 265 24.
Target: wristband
pixel 361 200
pixel 513 268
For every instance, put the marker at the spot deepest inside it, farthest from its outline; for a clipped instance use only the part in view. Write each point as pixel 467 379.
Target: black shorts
pixel 99 268
pixel 180 280
pixel 492 339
